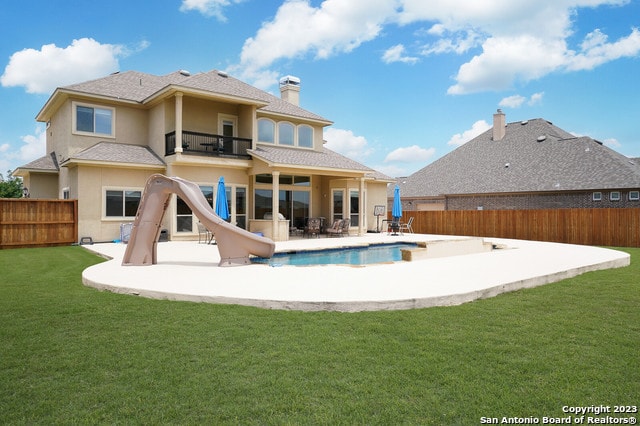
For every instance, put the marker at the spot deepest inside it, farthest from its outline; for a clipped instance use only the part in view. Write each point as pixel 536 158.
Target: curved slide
pixel 234 244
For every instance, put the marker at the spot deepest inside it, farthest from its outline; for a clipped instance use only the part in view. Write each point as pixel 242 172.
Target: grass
pixel 70 354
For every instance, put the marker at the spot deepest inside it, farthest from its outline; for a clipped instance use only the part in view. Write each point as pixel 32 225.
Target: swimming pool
pixel 356 255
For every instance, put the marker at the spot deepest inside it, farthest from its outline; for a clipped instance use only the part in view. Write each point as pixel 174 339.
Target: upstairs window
pixel 634 195
pixel 614 196
pixel 285 134
pixel 94 120
pixel 596 196
pixel 305 136
pixel 266 131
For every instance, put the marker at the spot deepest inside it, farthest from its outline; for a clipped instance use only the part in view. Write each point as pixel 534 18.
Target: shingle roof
pixel 47 163
pixel 534 156
pixel 139 87
pixel 325 159
pixel 118 153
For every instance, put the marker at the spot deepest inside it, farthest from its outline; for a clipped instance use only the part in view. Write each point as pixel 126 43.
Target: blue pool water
pixel 365 255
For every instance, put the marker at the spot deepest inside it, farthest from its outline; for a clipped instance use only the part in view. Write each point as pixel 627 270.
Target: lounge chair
pixel 335 229
pixel 313 227
pixel 407 226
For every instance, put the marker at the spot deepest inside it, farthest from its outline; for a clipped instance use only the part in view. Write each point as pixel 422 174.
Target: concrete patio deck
pixel 188 271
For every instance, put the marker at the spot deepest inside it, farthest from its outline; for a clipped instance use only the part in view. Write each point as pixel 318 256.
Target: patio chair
pixel 335 229
pixel 204 234
pixel 393 227
pixel 407 226
pixel 313 227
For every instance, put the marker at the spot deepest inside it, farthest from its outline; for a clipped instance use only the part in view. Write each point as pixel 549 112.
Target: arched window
pixel 266 130
pixel 305 136
pixel 285 134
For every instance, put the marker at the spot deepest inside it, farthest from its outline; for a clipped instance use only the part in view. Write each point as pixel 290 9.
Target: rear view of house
pixel 105 137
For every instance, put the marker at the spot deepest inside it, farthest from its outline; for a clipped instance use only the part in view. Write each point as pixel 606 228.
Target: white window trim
pixel 596 196
pixel 636 197
pixel 74 117
pixel 104 202
pixel 616 197
pixel 296 128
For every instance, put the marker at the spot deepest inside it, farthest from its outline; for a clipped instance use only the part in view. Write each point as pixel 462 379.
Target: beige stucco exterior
pixel 147 124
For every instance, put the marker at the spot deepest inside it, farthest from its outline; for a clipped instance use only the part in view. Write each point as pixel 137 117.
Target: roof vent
pixel 223 74
pixel 185 73
pixel 507 165
pixel 542 138
pixel 524 122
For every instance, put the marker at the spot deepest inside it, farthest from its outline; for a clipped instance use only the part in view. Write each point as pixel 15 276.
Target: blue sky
pixel 404 81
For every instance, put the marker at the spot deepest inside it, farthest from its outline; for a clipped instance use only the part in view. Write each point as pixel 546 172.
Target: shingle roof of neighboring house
pixel 533 156
pixel 118 153
pixel 139 87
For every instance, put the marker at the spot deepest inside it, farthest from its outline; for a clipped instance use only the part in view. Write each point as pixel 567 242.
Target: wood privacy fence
pixel 619 227
pixel 26 222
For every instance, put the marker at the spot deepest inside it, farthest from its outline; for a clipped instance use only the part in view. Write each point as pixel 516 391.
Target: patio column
pixel 361 225
pixel 275 203
pixel 178 122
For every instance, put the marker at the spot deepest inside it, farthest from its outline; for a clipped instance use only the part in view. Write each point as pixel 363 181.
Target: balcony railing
pixel 208 144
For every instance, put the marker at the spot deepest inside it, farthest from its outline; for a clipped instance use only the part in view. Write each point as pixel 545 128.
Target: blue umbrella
pixel 396 212
pixel 222 209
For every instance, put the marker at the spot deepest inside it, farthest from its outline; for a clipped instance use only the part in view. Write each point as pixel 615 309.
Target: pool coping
pixel 188 271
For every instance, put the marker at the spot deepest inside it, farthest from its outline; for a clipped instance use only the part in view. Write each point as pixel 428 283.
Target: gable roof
pixel 141 88
pixel 533 156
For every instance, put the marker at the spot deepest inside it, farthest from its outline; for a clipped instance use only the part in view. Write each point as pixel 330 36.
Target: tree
pixel 11 187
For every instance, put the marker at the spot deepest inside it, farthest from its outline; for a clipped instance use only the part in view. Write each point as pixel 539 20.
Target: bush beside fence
pixel 27 222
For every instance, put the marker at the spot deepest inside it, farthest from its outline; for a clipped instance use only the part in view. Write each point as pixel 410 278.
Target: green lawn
pixel 70 354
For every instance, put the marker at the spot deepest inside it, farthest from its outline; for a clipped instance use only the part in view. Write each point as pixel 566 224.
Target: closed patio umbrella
pixel 222 209
pixel 396 211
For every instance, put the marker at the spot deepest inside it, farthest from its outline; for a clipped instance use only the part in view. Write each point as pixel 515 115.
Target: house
pixel 105 137
pixel 524 165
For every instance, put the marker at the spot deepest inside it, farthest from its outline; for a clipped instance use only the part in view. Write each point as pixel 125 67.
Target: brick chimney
pixel 290 89
pixel 499 125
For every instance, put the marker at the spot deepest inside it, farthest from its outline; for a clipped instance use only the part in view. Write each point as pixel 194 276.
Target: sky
pixel 404 81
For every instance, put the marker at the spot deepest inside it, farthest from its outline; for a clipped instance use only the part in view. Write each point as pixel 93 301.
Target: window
pixel 94 120
pixel 596 196
pixel 266 131
pixel 634 195
pixel 354 207
pixel 614 196
pixel 337 202
pixel 285 134
pixel 122 203
pixel 305 136
pixel 184 215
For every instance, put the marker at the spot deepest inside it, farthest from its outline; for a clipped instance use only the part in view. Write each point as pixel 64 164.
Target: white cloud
pixel 41 71
pixel 516 101
pixel 208 7
pixel 476 129
pixel 35 145
pixel 396 54
pixel 612 143
pixel 410 154
pixel 346 143
pixel 298 28
pixel 595 50
pixel 459 43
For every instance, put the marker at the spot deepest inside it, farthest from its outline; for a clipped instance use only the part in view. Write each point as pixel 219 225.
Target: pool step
pixel 444 248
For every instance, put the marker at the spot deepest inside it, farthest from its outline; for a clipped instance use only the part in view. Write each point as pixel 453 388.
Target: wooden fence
pixel 618 227
pixel 26 222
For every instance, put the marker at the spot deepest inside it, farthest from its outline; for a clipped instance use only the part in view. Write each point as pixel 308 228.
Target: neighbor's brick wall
pixel 539 201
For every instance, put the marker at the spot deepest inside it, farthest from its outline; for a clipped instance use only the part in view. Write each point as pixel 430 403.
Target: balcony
pixel 207 144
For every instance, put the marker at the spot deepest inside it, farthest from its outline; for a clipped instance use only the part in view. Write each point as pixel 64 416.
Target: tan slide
pixel 234 244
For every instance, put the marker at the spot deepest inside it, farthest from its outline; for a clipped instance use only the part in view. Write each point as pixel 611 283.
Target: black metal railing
pixel 208 144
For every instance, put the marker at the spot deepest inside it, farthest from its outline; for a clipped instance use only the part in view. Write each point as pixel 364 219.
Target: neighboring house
pixel 105 137
pixel 524 165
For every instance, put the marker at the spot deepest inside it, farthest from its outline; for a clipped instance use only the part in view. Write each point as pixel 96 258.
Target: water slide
pixel 234 244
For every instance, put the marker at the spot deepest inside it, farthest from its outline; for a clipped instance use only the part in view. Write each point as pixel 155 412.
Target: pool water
pixel 361 255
